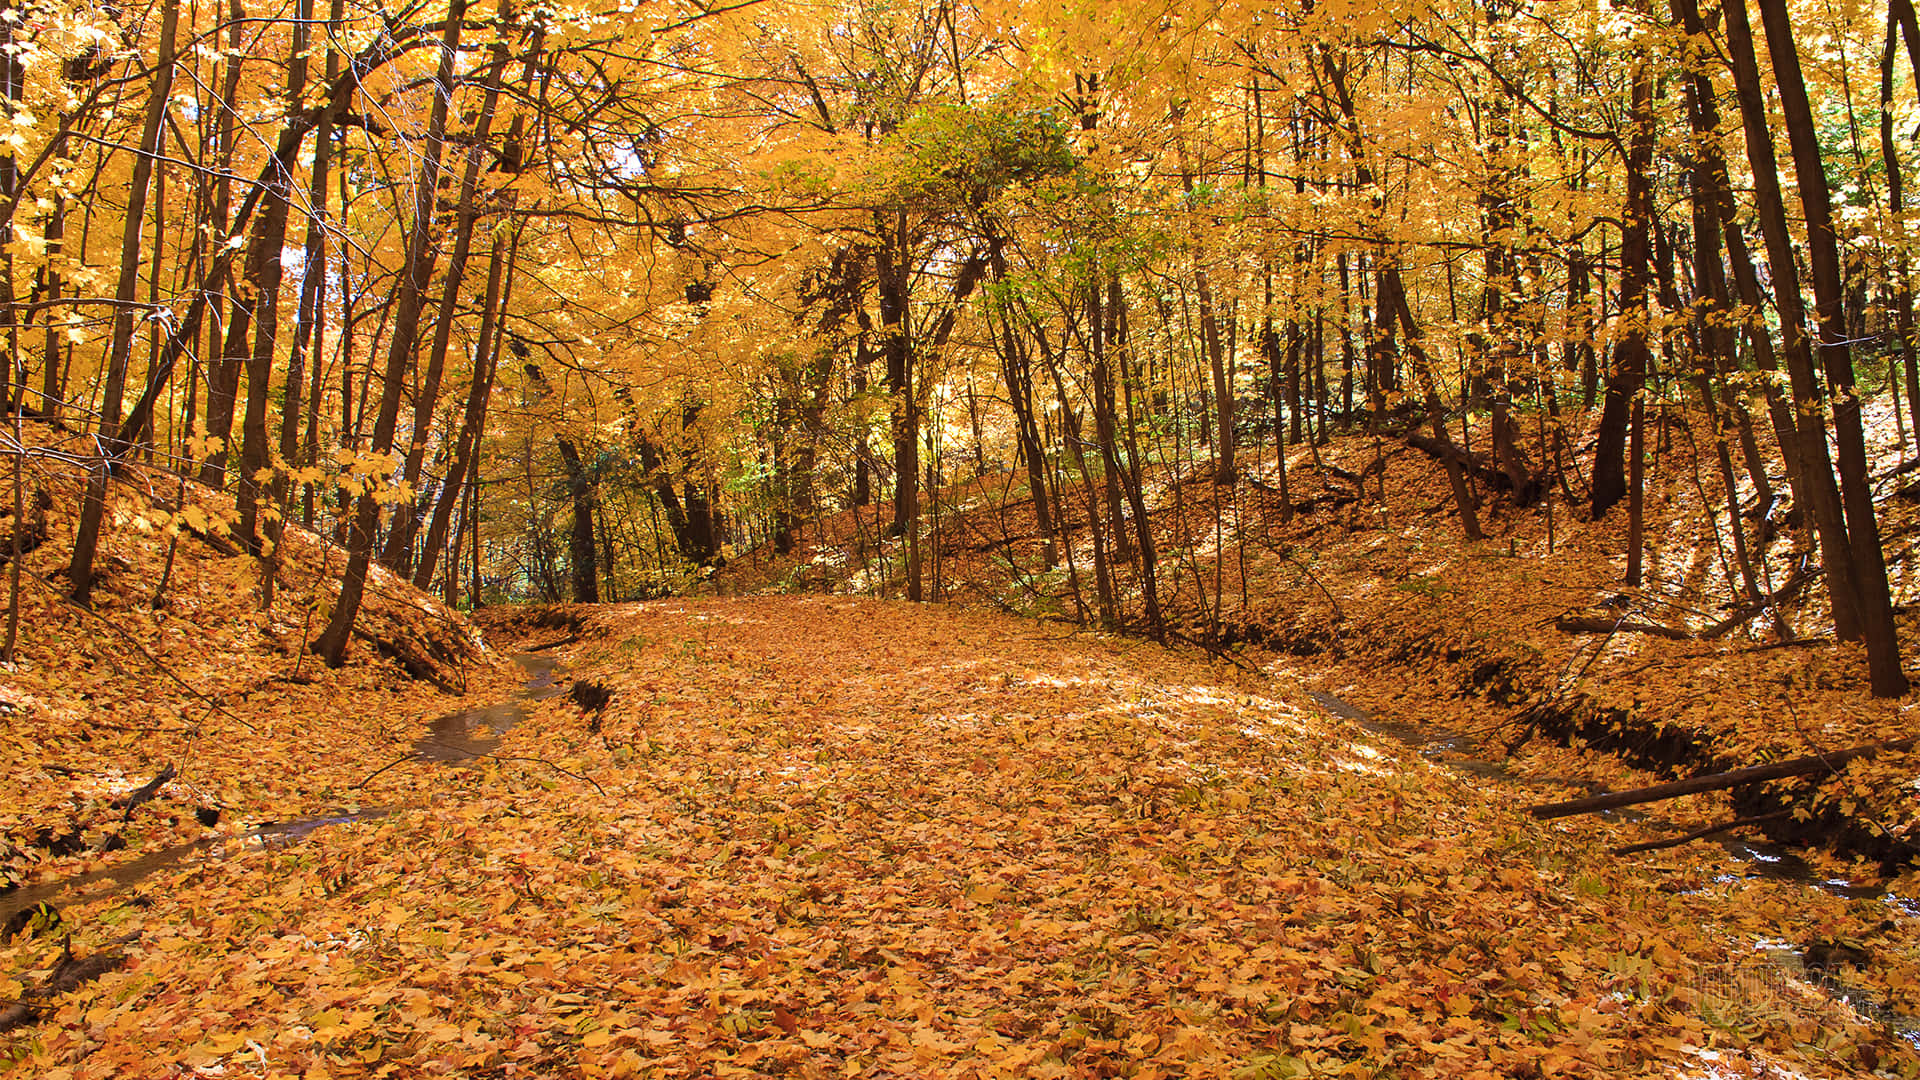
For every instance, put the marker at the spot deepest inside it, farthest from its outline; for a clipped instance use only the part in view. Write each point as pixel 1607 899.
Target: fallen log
pixel 1701 834
pixel 1483 469
pixel 69 974
pixel 1752 774
pixel 147 791
pixel 1588 624
pixel 1788 590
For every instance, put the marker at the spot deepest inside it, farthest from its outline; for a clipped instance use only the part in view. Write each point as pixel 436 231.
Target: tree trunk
pixel 398 553
pixel 1830 303
pixel 582 551
pixel 268 272
pixel 332 642
pixel 1816 468
pixel 93 507
pixel 486 354
pixel 1628 372
pixel 1224 470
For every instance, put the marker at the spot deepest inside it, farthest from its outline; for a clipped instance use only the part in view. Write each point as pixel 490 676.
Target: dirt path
pixel 849 837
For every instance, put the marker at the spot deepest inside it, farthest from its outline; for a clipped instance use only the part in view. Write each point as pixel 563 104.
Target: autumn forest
pixel 914 538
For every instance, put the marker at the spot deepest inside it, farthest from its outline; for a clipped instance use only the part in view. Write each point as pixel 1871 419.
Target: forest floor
pixel 834 836
pixel 1520 646
pixel 839 836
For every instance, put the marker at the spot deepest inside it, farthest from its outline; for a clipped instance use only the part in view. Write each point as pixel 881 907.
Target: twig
pixel 1214 650
pixel 1796 643
pixel 1771 602
pixel 1752 774
pixel 147 791
pixel 471 754
pixel 142 650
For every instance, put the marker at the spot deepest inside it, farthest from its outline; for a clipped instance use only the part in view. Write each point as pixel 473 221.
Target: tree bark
pixel 582 551
pixel 1830 304
pixel 93 507
pixel 486 354
pixel 1628 371
pixel 331 645
pixel 1817 487
pixel 398 552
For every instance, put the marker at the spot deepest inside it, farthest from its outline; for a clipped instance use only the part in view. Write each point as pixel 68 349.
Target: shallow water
pixel 1762 859
pixel 475 733
pixel 457 737
pixel 112 879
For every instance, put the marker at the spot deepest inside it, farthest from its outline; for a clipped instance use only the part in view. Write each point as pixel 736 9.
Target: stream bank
pixel 1821 965
pixel 459 737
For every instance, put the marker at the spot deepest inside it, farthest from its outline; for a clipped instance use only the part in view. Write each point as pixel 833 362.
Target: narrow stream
pixel 112 879
pixel 1762 859
pixel 452 739
pixel 475 733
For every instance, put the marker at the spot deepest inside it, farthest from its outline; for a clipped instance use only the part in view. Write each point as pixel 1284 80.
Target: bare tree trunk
pixel 398 553
pixel 581 548
pixel 93 508
pixel 224 367
pixel 269 273
pixel 486 355
pixel 1830 302
pixel 1628 372
pixel 1224 469
pixel 1817 487
pixel 332 642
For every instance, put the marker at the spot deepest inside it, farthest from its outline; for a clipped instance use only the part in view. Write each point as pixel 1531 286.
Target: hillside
pixel 177 669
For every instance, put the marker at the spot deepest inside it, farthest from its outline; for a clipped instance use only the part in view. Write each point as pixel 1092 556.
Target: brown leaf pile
pixel 854 838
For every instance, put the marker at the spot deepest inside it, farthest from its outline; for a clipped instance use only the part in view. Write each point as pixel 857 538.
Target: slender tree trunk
pixel 1628 372
pixel 120 350
pixel 268 275
pixel 1016 369
pixel 896 347
pixel 398 553
pixel 1224 469
pixel 1890 160
pixel 581 548
pixel 307 333
pixel 1817 486
pixel 225 341
pixel 1393 304
pixel 1270 345
pixel 332 642
pixel 1830 303
pixel 1105 421
pixel 486 355
pixel 1119 344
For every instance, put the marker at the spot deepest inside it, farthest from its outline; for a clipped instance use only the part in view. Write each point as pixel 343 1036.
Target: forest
pixel 927 538
pixel 749 267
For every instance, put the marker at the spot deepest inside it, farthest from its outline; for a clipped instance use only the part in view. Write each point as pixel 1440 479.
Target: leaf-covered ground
pixel 835 837
pixel 178 664
pixel 1376 583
